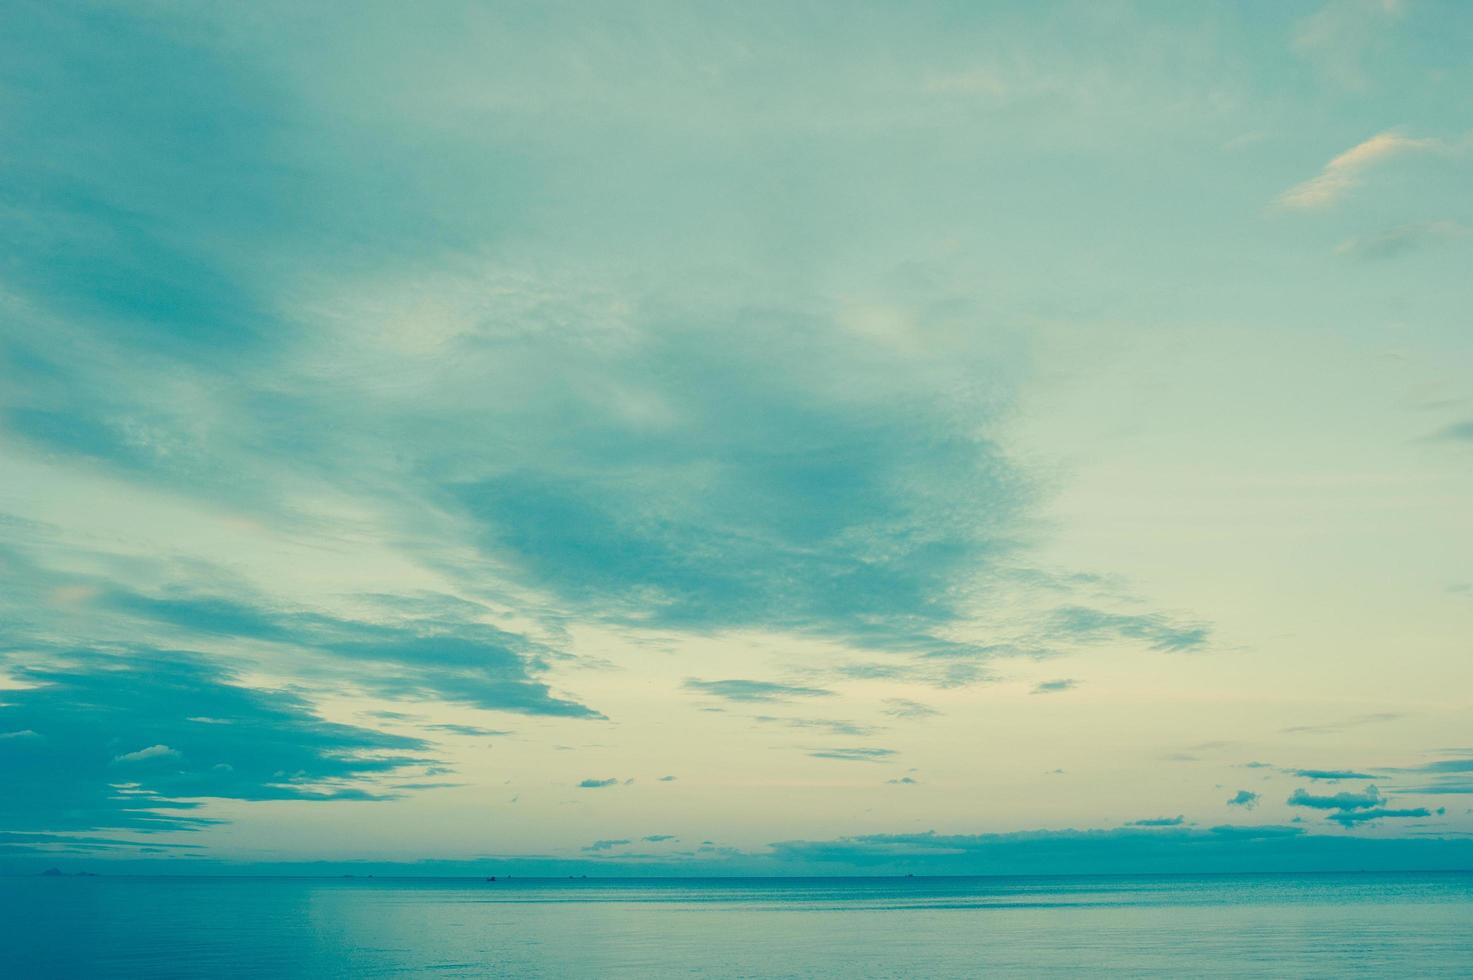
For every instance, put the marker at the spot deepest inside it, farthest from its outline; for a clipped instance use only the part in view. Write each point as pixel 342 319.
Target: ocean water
pixel 1331 925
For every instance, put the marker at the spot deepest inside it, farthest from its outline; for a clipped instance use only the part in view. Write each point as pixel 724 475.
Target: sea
pixel 1272 925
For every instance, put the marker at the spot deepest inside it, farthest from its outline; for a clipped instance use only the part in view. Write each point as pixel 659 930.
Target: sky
pixel 685 437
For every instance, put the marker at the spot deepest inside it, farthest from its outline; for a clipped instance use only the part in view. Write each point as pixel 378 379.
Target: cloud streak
pixel 748 691
pixel 1347 170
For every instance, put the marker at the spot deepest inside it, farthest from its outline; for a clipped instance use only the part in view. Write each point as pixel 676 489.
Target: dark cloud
pixel 1369 797
pixel 1350 818
pixel 606 845
pixel 1176 821
pixel 597 783
pixel 746 690
pixel 1245 799
pixel 461 661
pixel 1353 809
pixel 135 742
pixel 1329 774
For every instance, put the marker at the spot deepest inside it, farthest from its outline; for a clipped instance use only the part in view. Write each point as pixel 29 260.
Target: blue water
pixel 1251 925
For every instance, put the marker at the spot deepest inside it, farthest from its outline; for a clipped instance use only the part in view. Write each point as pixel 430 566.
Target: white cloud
pixel 1344 172
pixel 152 752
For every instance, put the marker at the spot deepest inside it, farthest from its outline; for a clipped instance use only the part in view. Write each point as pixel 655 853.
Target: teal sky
pixel 746 436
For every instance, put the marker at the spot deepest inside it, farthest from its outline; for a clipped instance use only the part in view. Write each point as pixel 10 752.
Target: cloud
pixel 273 748
pixel 903 781
pixel 1245 799
pixel 430 655
pixel 597 783
pixel 1337 37
pixel 354 429
pixel 746 690
pixel 151 752
pixel 1445 787
pixel 1054 687
pixel 606 845
pixel 1345 171
pixel 1457 432
pixel 1120 851
pixel 1352 809
pixel 1130 850
pixel 1328 774
pixel 1094 625
pixel 659 838
pixel 474 731
pixel 1176 821
pixel 1448 777
pixel 1333 728
pixel 666 779
pixel 854 754
pixel 903 708
pixel 1400 240
pixel 1350 818
pixel 1369 797
pixel 823 724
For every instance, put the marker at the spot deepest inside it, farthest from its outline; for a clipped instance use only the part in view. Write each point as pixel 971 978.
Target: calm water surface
pixel 1401 925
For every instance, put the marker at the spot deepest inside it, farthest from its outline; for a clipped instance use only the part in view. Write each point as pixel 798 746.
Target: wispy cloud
pixel 904 708
pixel 1457 432
pixel 1400 240
pixel 1054 687
pixel 1345 172
pixel 821 724
pixel 471 731
pixel 853 754
pixel 592 783
pixel 1157 631
pixel 753 691
pixel 1176 821
pixel 1331 728
pixel 606 845
pixel 1350 818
